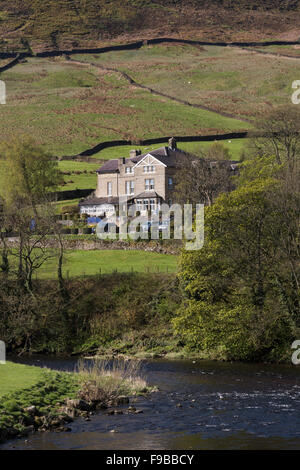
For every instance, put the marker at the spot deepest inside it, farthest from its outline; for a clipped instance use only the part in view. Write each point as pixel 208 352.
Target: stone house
pixel 146 180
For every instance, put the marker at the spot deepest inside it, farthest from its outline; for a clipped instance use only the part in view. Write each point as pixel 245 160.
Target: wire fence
pixel 70 274
pixel 147 269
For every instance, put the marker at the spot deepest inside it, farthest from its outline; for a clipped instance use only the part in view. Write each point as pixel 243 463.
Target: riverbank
pixel 111 315
pixel 199 405
pixel 35 399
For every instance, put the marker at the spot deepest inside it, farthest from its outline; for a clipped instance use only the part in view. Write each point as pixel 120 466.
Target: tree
pixel 202 179
pixel 32 249
pixel 217 152
pixel 30 172
pixel 279 133
pixel 240 297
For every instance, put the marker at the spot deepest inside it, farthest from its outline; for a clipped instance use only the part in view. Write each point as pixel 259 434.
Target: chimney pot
pixel 172 143
pixel 134 153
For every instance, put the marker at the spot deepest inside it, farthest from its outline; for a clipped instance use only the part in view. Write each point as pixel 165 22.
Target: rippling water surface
pixel 202 405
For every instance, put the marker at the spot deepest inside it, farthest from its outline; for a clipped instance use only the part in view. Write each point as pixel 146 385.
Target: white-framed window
pixel 149 184
pixel 170 182
pixel 129 187
pixel 129 170
pixel 149 169
pixel 146 205
pixel 139 204
pixel 152 205
pixel 109 188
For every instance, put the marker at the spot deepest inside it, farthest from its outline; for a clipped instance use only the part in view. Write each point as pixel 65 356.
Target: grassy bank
pixel 29 398
pixel 15 377
pixel 88 263
pixel 35 399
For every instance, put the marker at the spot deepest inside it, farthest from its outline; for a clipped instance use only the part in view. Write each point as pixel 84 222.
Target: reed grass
pixel 103 380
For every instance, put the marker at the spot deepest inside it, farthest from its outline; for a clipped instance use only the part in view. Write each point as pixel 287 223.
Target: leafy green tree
pixel 30 172
pixel 237 288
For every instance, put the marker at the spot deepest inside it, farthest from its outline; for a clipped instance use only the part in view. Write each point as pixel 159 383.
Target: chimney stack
pixel 172 144
pixel 134 153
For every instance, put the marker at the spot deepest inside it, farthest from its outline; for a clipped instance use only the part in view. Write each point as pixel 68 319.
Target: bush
pixel 74 209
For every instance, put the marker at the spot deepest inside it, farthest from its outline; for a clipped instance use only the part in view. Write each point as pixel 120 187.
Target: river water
pixel 223 406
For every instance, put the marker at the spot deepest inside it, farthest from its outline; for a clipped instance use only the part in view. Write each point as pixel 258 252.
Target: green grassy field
pixel 82 262
pixel 231 80
pixel 86 179
pixel 235 147
pixel 15 377
pixel 69 108
pixel 293 51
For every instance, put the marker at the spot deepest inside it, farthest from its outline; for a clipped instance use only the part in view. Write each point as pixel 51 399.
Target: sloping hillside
pixel 50 24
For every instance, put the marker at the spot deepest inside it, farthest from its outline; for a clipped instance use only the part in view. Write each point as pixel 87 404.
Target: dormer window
pixel 129 170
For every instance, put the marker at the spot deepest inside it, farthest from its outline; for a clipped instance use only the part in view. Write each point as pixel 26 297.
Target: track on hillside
pixel 17 57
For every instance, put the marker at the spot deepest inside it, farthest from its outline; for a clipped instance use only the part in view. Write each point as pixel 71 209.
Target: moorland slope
pixel 41 25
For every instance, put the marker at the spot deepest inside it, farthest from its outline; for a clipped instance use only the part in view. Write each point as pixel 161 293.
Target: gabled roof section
pixel 164 155
pixel 149 159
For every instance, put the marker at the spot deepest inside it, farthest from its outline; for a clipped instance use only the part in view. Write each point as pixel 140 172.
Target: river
pixel 199 405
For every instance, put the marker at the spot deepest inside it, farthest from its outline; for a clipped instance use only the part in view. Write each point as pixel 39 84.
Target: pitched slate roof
pixel 95 201
pixel 163 154
pixel 167 156
pixel 147 194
